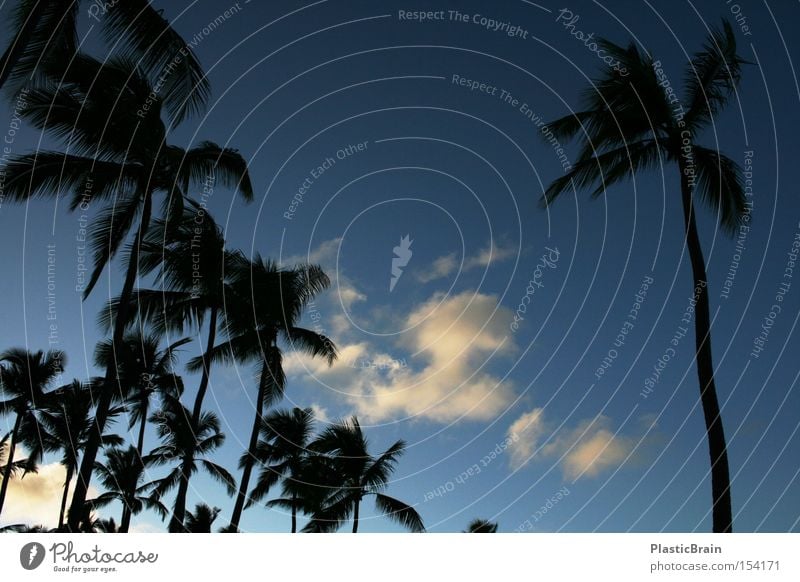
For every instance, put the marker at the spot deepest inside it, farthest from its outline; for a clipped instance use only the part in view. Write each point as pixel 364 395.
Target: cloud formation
pixel 452 339
pixel 585 450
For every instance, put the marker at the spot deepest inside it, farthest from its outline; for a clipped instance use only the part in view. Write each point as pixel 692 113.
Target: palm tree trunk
pixel 251 452
pixel 76 510
pixel 142 425
pixel 125 520
pixel 720 477
pixel 355 515
pixel 10 461
pixel 176 524
pixel 19 43
pixel 201 390
pixel 294 513
pixel 183 487
pixel 63 511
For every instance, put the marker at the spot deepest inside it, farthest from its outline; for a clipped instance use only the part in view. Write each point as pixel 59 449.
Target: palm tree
pixel 359 475
pixel 46 40
pixel 201 519
pixel 481 526
pixel 66 418
pixel 628 125
pixel 143 371
pixel 121 153
pixel 187 442
pixel 264 305
pixel 121 476
pixel 24 379
pixel 191 257
pixel 283 455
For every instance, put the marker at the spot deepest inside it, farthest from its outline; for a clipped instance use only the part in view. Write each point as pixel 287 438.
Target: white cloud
pixel 36 498
pixel 452 337
pixel 585 450
pixel 448 264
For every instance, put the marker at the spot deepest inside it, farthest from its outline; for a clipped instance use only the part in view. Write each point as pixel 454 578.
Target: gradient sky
pixel 461 172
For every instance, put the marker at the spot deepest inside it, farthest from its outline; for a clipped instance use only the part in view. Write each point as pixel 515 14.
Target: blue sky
pixel 461 172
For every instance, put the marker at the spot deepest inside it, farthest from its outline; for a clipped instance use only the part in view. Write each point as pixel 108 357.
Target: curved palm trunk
pixel 63 511
pixel 248 465
pixel 76 510
pixel 179 513
pixel 355 515
pixel 176 523
pixel 10 462
pixel 17 47
pixel 720 477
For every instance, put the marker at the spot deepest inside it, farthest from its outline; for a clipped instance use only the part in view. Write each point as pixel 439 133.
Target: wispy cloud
pixel 584 450
pixel 446 265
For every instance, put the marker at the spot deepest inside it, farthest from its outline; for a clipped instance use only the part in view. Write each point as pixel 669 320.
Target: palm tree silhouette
pixel 282 452
pixel 24 378
pixel 121 153
pixel 359 475
pixel 264 304
pixel 143 371
pixel 121 476
pixel 629 125
pixel 481 526
pixel 201 519
pixel 186 441
pixel 66 418
pixel 46 39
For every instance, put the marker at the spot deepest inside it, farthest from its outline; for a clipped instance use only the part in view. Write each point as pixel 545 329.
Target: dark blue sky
pixel 461 171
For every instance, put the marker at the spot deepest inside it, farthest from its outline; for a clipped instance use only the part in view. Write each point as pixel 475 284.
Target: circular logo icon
pixel 31 555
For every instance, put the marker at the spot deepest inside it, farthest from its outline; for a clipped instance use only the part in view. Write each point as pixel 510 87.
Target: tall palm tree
pixel 122 154
pixel 122 475
pixel 143 371
pixel 263 307
pixel 66 418
pixel 201 520
pixel 282 453
pixel 46 39
pixel 359 475
pixel 24 379
pixel 187 442
pixel 628 125
pixel 481 526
